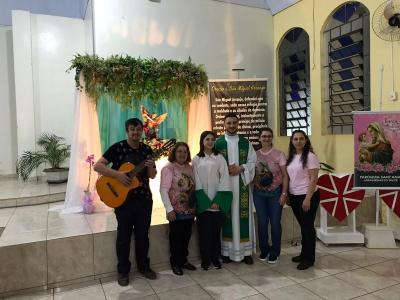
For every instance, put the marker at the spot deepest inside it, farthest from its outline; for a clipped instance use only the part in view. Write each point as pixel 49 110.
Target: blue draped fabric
pixel 112 117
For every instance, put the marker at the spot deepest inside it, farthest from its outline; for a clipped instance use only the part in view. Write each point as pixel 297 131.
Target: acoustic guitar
pixel 112 192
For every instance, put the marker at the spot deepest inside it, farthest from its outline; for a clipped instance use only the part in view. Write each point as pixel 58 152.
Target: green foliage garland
pixel 127 79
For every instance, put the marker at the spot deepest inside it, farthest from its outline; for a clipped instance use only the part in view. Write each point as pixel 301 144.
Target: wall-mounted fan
pixel 386 21
pixel 386 25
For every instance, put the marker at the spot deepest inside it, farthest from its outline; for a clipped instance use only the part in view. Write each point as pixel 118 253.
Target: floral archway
pixel 110 90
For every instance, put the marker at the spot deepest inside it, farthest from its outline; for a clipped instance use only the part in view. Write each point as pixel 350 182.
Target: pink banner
pixel 377 149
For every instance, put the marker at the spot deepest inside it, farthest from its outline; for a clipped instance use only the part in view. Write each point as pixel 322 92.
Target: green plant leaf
pixel 128 80
pixel 55 152
pixel 325 167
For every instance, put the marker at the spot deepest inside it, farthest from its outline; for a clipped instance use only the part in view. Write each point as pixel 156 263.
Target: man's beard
pixel 229 132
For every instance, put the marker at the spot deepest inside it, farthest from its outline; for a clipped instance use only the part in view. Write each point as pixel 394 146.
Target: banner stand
pixel 339 234
pixel 379 235
pixel 382 127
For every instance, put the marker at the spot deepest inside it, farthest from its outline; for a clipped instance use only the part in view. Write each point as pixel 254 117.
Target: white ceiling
pixel 77 8
pixel 274 5
pixel 64 8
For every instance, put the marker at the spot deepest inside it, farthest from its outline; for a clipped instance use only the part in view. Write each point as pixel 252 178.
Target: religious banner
pixel 377 150
pixel 338 196
pixel 247 98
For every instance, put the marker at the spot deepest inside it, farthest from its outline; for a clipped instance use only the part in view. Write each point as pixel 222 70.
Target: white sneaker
pixel 272 259
pixel 263 257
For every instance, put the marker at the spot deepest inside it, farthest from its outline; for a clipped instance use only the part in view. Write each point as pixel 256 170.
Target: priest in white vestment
pixel 238 234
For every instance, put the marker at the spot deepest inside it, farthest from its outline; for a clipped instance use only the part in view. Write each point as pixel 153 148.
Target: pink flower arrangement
pixel 90 161
pixel 366 167
pixel 88 206
pixel 379 168
pixel 393 167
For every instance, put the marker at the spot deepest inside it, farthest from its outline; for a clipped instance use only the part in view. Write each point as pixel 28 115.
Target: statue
pixel 150 127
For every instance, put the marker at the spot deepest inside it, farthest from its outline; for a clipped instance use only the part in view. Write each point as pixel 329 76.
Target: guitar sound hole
pixel 112 189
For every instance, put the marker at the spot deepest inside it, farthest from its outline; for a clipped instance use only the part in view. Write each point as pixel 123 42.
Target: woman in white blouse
pixel 213 198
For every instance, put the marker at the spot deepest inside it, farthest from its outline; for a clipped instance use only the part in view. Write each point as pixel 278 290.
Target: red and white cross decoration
pixel 337 194
pixel 392 199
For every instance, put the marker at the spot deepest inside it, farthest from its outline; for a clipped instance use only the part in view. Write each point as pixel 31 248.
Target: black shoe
pixel 123 279
pixel 226 259
pixel 272 259
pixel 188 266
pixel 263 256
pixel 248 260
pixel 304 265
pixel 149 274
pixel 205 267
pixel 297 259
pixel 217 264
pixel 177 270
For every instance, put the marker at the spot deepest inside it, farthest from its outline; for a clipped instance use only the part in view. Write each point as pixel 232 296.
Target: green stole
pixel 244 193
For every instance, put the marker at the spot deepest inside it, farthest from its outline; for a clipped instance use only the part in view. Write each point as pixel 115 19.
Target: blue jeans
pixel 269 211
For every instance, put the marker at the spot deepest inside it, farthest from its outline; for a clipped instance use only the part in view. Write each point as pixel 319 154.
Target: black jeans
pixel 209 224
pixel 134 215
pixel 306 221
pixel 180 232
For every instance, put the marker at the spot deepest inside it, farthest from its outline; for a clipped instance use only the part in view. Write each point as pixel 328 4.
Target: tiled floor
pixel 15 192
pixel 340 272
pixel 13 188
pixel 345 272
pixel 33 223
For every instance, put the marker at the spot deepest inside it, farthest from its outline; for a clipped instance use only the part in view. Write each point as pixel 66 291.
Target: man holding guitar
pixel 135 212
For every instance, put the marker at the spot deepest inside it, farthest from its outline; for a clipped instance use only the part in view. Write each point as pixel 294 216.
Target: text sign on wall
pixel 247 98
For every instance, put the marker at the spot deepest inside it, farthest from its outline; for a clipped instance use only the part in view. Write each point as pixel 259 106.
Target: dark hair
pixel 292 150
pixel 202 137
pixel 231 115
pixel 261 130
pixel 172 153
pixel 134 122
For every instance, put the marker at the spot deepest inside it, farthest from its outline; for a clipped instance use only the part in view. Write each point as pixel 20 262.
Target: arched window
pixel 347 72
pixel 294 82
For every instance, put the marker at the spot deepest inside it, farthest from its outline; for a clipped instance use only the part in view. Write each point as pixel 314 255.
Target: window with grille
pixel 295 96
pixel 347 66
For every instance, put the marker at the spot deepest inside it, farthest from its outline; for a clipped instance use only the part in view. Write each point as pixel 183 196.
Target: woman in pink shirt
pixel 269 195
pixel 302 167
pixel 177 183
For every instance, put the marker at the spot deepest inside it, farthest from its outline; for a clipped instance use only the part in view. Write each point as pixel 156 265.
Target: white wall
pixel 88 24
pixel 45 93
pixel 55 40
pixel 8 123
pixel 22 47
pixel 219 35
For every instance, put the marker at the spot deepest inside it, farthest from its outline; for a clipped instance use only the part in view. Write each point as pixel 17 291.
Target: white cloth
pixel 235 249
pixel 211 174
pixel 165 199
pixel 85 141
pixel 199 119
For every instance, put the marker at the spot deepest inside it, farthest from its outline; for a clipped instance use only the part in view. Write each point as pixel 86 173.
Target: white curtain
pixel 199 119
pixel 85 141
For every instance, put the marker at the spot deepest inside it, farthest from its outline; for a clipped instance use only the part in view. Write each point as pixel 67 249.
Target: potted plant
pixel 54 151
